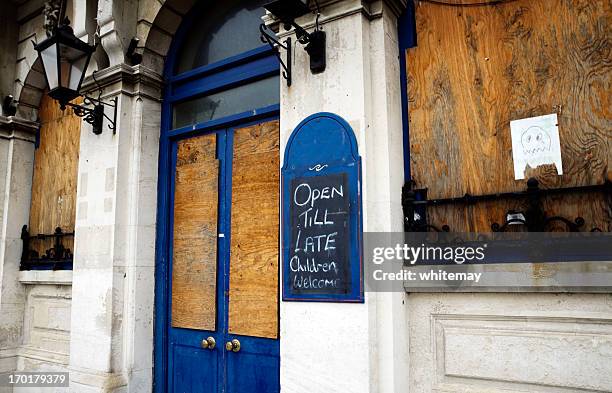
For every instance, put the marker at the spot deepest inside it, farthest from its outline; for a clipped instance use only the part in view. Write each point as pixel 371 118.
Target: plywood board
pixel 54 180
pixel 194 256
pixel 477 68
pixel 253 294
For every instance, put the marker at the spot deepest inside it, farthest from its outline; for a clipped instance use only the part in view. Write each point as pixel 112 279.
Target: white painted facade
pixel 97 321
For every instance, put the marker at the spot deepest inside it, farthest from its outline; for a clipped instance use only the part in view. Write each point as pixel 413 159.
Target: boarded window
pixel 55 174
pixel 253 300
pixel 194 270
pixel 477 68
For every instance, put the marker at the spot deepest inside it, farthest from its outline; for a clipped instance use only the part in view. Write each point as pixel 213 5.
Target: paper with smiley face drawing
pixel 535 142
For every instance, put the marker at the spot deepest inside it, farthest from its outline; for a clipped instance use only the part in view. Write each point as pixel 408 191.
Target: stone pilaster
pixel 16 165
pixel 363 344
pixel 113 280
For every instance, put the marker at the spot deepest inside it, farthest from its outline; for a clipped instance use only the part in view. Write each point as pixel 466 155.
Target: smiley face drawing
pixel 535 140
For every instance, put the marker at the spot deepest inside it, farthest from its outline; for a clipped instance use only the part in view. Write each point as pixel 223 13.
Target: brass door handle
pixel 209 343
pixel 233 345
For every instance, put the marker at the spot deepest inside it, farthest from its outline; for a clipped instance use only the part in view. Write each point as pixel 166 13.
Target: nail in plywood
pixel 54 181
pixel 253 295
pixel 477 68
pixel 194 264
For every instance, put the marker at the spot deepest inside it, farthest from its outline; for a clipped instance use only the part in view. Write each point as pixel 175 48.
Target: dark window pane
pixel 215 106
pixel 228 28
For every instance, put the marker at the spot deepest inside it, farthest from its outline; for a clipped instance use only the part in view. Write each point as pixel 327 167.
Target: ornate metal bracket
pixel 56 257
pixel 415 203
pixel 95 116
pixel 271 40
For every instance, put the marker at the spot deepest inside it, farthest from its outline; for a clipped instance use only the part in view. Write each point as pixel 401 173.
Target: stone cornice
pixel 131 80
pixel 15 127
pixel 368 8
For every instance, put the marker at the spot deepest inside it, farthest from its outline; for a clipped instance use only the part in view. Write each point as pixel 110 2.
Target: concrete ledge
pixel 43 356
pixel 50 277
pixel 8 359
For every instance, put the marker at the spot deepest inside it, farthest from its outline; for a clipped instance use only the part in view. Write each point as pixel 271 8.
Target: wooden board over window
pixel 194 265
pixel 54 181
pixel 477 68
pixel 253 297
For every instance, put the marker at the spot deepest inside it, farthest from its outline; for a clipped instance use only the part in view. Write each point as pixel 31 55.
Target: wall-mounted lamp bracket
pixel 314 45
pixel 95 116
pixel 287 11
pixel 134 57
pixel 271 40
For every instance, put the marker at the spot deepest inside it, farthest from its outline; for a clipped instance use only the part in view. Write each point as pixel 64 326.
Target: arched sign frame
pixel 323 147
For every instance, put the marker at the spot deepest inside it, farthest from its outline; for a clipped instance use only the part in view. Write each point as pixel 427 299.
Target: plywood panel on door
pixel 477 68
pixel 253 295
pixel 194 265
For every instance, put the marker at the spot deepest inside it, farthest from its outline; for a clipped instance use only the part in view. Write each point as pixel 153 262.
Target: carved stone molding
pixel 52 11
pixel 16 128
pixel 125 79
pixel 332 10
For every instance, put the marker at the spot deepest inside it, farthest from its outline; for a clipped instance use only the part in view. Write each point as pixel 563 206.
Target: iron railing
pixel 57 257
pixel 415 203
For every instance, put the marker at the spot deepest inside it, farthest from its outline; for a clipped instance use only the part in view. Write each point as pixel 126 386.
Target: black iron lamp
pixel 65 59
pixel 287 11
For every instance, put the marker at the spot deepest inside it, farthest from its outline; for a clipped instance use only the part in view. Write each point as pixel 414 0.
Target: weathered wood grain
pixel 54 180
pixel 194 264
pixel 477 68
pixel 253 294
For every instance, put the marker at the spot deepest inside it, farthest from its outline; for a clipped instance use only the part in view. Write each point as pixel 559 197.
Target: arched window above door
pixel 219 67
pixel 221 31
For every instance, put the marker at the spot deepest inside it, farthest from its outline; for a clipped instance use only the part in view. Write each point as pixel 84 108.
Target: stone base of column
pixel 91 381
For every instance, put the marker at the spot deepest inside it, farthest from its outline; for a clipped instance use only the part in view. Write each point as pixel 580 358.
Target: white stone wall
pixel 46 332
pixel 331 347
pixel 487 343
pixel 16 165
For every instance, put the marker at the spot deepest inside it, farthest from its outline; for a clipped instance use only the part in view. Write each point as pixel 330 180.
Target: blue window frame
pixel 407 39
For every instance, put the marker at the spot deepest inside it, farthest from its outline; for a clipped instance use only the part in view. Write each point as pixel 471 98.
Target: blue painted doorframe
pixel 232 72
pixel 407 39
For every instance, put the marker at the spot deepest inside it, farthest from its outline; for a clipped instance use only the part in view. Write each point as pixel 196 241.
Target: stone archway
pixel 30 87
pixel 157 31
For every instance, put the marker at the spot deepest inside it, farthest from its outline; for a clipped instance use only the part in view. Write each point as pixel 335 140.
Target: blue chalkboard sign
pixel 322 225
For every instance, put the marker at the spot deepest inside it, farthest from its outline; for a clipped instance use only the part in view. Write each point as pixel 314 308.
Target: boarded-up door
pixel 475 69
pixel 224 263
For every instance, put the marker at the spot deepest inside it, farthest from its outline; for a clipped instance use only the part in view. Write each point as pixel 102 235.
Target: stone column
pixel 8 48
pixel 16 165
pixel 111 347
pixel 359 348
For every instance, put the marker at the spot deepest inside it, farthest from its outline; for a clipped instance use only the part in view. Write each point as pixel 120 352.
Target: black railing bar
pixel 42 236
pixel 467 198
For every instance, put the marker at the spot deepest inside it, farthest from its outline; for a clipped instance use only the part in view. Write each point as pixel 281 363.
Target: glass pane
pixel 228 28
pixel 76 72
pixel 215 106
pixel 49 59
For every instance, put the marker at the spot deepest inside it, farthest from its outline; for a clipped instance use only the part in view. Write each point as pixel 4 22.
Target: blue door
pixel 217 324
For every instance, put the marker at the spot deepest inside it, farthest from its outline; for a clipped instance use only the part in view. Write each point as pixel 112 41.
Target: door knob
pixel 233 345
pixel 209 343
